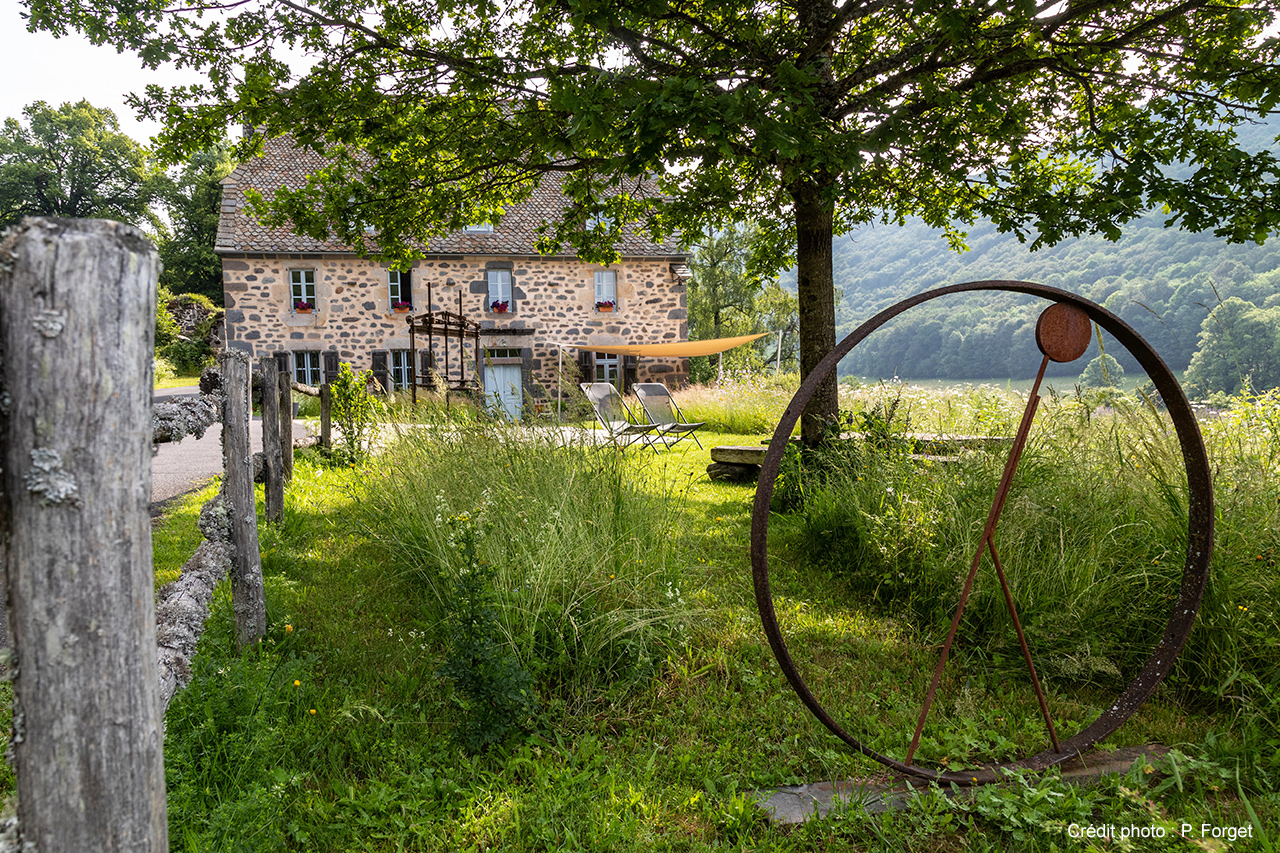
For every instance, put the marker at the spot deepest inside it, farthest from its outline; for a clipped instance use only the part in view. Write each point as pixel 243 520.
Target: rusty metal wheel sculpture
pixel 1062 334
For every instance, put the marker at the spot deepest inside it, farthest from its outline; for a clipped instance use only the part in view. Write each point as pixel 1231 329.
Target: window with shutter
pixel 606 282
pixel 500 292
pixel 306 368
pixel 586 366
pixel 302 289
pixel 607 368
pixel 399 290
pixel 630 366
pixel 400 369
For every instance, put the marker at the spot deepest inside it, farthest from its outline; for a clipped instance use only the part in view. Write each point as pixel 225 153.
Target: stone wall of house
pixel 553 300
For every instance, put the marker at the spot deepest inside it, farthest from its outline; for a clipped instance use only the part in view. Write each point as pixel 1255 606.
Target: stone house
pixel 312 304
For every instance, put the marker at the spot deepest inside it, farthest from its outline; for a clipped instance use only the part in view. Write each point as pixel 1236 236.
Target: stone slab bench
pixel 738 454
pixel 741 463
pixel 735 463
pixel 946 444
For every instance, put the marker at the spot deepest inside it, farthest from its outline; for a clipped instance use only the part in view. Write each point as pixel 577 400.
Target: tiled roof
pixel 284 164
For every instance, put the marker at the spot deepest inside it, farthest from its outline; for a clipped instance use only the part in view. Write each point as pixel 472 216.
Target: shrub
pixel 163 368
pixel 189 357
pixel 354 410
pixel 493 691
pixel 167 330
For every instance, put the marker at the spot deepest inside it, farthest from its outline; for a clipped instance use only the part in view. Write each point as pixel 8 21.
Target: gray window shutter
pixel 381 374
pixel 284 363
pixel 630 366
pixel 586 365
pixel 406 286
pixel 330 365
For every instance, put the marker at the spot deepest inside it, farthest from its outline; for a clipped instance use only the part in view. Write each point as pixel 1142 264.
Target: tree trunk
pixel 817 303
pixel 247 598
pixel 77 314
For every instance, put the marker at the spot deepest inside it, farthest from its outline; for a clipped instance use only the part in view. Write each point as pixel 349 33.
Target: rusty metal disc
pixel 1063 332
pixel 1199 529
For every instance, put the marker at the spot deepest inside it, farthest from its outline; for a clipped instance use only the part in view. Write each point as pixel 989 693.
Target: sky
pixel 39 67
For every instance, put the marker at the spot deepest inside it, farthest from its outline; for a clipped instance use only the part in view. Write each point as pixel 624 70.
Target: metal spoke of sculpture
pixel 1063 333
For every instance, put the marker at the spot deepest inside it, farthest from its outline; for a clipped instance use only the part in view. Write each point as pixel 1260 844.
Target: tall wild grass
pixel 1093 539
pixel 742 404
pixel 584 572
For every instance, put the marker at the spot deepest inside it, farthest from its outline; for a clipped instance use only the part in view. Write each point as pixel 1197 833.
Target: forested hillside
pixel 1163 281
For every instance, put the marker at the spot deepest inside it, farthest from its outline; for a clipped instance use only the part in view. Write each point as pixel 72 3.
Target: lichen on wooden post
pixel 326 416
pixel 286 425
pixel 183 606
pixel 247 598
pixel 77 319
pixel 272 456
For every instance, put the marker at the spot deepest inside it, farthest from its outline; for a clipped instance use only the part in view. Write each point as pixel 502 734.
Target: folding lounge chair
pixel 615 417
pixel 661 408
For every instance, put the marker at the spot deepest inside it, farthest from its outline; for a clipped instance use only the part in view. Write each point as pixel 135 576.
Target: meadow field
pixel 480 639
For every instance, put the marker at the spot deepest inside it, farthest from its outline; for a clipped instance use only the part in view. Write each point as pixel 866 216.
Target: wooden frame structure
pixel 446 325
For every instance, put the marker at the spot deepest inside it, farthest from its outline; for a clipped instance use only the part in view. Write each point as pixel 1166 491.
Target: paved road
pixel 181 467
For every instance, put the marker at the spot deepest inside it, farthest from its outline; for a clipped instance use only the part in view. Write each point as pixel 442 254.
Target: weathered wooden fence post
pixel 272 464
pixel 247 598
pixel 286 426
pixel 77 319
pixel 326 416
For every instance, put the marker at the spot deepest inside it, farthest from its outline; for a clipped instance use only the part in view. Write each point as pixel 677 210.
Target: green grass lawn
pixel 176 382
pixel 589 616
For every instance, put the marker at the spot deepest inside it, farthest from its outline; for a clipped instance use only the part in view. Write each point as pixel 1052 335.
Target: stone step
pixel 729 472
pixel 798 803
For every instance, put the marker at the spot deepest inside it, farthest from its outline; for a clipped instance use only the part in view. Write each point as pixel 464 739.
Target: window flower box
pixel 499 306
pixel 401 307
pixel 605 307
pixel 302 306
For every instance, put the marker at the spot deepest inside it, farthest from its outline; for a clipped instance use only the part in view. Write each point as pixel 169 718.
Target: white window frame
pixel 499 290
pixel 478 228
pixel 396 288
pixel 606 282
pixel 306 367
pixel 608 367
pixel 302 287
pixel 400 366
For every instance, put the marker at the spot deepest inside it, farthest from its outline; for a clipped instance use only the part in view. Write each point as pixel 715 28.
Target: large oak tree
pixel 809 116
pixel 74 161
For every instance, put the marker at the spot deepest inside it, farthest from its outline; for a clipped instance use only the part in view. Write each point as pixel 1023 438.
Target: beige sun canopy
pixel 683 349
